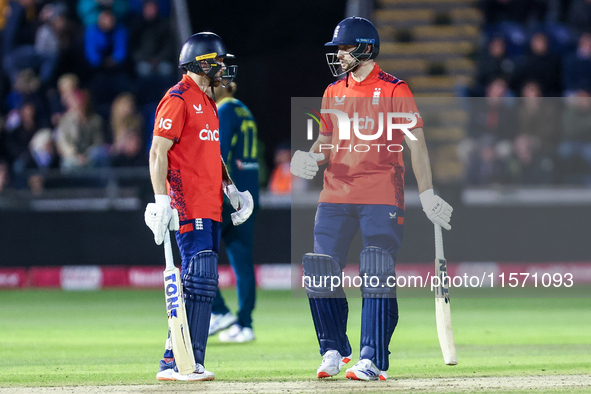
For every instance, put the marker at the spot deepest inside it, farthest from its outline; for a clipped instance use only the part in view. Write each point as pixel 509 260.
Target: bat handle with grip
pixel 438 243
pixel 168 251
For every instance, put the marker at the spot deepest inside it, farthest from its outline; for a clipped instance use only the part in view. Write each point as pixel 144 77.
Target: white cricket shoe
pixel 237 334
pixel 365 370
pixel 165 375
pixel 165 370
pixel 219 322
pixel 331 364
pixel 200 374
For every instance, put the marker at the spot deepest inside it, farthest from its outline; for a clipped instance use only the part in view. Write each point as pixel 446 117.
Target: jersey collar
pixel 189 81
pixel 192 84
pixel 368 80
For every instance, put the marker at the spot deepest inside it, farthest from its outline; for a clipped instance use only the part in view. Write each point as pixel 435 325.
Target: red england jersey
pixel 189 117
pixel 366 167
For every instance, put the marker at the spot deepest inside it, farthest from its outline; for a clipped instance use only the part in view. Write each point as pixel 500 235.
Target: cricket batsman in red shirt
pixel 189 178
pixel 363 190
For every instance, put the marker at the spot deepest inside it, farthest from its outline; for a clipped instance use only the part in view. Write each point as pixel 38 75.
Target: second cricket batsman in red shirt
pixel 366 116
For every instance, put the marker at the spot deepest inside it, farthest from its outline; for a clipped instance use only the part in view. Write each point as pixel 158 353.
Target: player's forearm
pixel 158 168
pixel 422 170
pixel 316 147
pixel 421 165
pixel 226 180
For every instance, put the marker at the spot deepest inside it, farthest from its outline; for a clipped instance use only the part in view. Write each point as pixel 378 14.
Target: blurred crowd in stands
pixel 81 80
pixel 534 70
pixel 80 83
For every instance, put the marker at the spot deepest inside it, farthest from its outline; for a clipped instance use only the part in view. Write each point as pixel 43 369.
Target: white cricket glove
pixel 160 217
pixel 242 202
pixel 305 164
pixel 436 209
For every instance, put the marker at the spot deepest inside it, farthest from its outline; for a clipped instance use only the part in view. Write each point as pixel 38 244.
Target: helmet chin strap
pixel 349 72
pixel 212 85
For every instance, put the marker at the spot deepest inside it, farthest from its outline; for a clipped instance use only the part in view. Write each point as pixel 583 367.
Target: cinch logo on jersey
pixel 165 124
pixel 344 123
pixel 172 295
pixel 209 135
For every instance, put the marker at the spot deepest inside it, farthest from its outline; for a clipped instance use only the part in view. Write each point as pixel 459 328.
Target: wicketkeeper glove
pixel 305 164
pixel 160 217
pixel 436 209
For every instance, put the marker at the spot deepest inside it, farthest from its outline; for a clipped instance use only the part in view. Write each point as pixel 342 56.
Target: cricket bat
pixel 442 308
pixel 178 326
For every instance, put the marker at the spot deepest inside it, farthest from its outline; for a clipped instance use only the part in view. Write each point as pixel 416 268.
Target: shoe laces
pixel 199 368
pixel 331 357
pixel 365 364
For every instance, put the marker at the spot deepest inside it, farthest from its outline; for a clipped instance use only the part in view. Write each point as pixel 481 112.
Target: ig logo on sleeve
pixel 165 124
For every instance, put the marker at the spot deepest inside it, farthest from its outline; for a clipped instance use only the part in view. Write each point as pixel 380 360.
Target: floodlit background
pixel 516 171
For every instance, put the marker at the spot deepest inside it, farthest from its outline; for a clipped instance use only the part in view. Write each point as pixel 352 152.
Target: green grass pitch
pixel 58 338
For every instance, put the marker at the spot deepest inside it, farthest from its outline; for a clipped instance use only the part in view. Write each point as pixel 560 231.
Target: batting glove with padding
pixel 235 197
pixel 305 164
pixel 436 209
pixel 245 208
pixel 160 217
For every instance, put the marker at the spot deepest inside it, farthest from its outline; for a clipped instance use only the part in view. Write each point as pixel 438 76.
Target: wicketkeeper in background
pixel 238 140
pixel 362 190
pixel 189 179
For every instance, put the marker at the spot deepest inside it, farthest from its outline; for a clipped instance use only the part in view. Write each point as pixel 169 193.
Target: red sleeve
pixel 406 102
pixel 170 118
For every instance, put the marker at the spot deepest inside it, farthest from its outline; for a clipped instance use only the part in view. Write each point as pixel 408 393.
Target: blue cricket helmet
pixel 357 31
pixel 353 31
pixel 205 46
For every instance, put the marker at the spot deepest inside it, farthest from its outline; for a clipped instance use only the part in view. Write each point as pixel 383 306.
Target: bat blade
pixel 445 331
pixel 182 347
